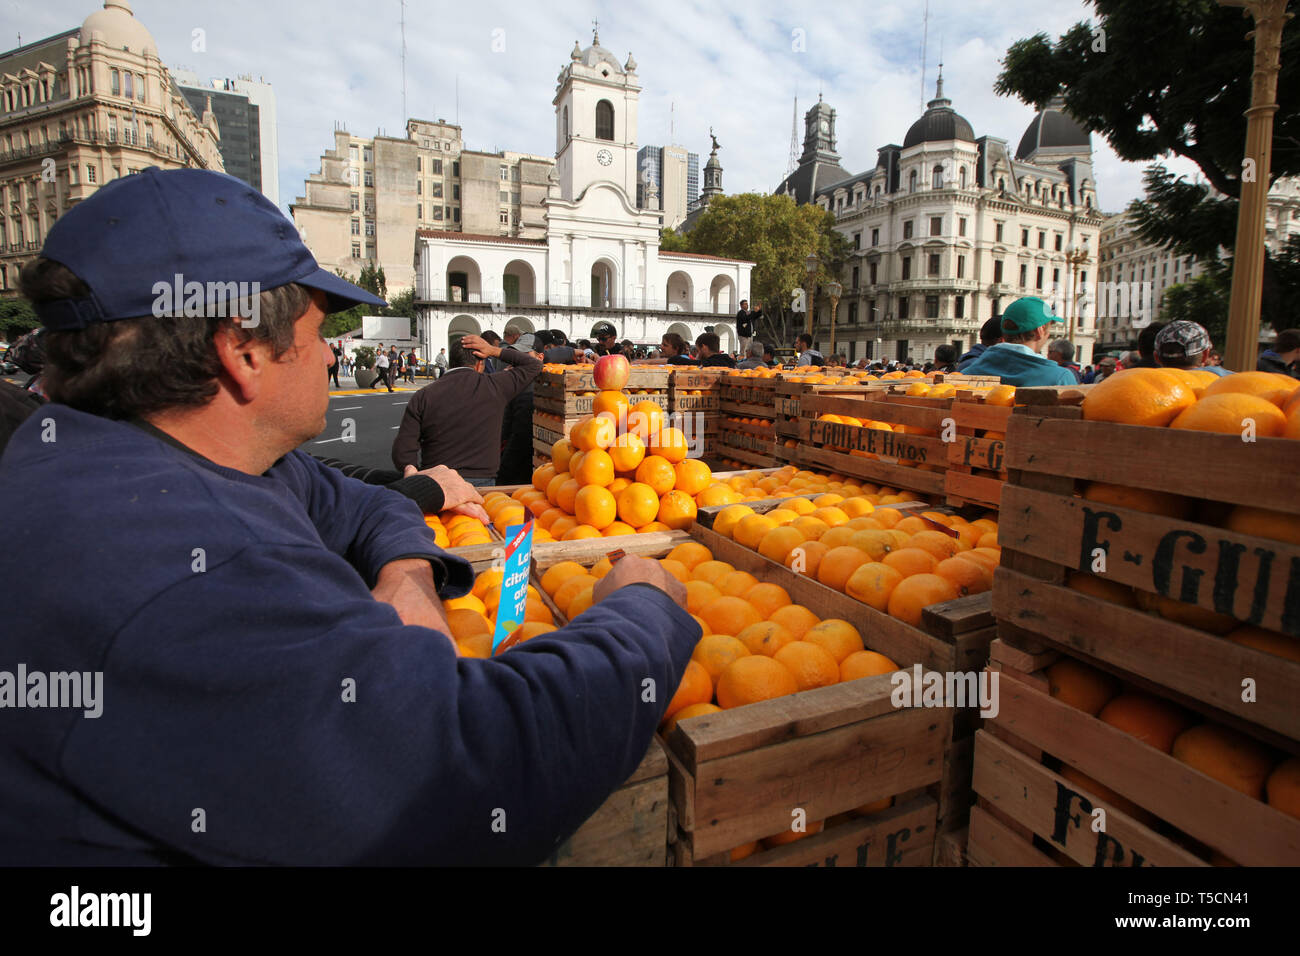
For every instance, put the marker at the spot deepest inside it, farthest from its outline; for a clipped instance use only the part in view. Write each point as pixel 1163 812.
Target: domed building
pixel 128 115
pixel 950 227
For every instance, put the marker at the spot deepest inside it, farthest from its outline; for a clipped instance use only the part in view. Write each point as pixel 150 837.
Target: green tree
pixel 670 241
pixel 403 304
pixel 16 317
pixel 1162 77
pixel 1203 300
pixel 340 323
pixel 776 235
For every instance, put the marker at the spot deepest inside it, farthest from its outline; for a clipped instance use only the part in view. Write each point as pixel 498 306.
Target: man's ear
pixel 243 360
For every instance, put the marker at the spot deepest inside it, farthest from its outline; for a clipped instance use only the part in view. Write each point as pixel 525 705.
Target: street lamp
pixel 811 264
pixel 834 290
pixel 1076 257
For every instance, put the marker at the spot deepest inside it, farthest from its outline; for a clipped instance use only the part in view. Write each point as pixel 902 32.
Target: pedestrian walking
pixel 337 350
pixel 382 368
pixel 440 364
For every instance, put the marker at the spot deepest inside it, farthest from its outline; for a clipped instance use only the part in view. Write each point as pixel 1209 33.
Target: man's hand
pixel 458 495
pixel 407 585
pixel 480 347
pixel 639 571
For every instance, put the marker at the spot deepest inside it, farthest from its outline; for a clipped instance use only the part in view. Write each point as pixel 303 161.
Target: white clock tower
pixel 595 122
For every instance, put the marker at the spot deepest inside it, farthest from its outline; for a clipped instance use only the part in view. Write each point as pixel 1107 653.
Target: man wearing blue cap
pixel 230 653
pixel 1026 327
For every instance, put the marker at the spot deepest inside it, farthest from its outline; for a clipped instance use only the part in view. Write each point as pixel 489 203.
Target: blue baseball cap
pixel 155 229
pixel 1027 314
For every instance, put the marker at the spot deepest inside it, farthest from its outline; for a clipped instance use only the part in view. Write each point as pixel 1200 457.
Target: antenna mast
pixel 794 139
pixel 925 39
pixel 404 113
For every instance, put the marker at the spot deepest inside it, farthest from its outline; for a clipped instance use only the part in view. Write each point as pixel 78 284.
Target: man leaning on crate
pixel 275 681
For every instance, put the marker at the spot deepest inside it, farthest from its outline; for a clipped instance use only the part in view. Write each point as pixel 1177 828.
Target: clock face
pixel 604 157
pixel 825 127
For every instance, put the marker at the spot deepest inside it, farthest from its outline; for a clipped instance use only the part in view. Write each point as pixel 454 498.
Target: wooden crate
pixel 683 381
pixel 575 407
pixel 976 472
pixel 631 827
pixel 553 385
pixel 1029 815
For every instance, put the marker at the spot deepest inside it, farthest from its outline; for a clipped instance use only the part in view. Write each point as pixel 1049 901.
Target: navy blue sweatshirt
pixel 230 616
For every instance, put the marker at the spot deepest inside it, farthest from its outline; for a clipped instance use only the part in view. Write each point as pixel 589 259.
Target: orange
pixel 749 531
pixel 627 452
pixel 724 522
pixel 873 582
pixel 596 468
pixel 1282 788
pixel 806 558
pixel 567 495
pixel 652 527
pixel 916 593
pixel 1188 615
pixel 616 528
pixel 937 543
pixel 766 598
pixel 705 630
pixel 838 565
pixel 911 525
pixel 469 602
pixel 832 516
pixel 657 472
pixel 579 532
pixel 1270 642
pixel 539 506
pixel 724 615
pixel 677 510
pixel 811 528
pixel 1139 499
pixel 795 618
pixel 524 632
pixel 1082 687
pixel 601 568
pixel 744 851
pixel 693 476
pixel 686 713
pixel 572 587
pixel 638 504
pixel 908 561
pixel 1153 721
pixel 737 584
pixel 711 571
pixel 1105 793
pixel 716 651
pixel 856 507
pixel 791 836
pixel 670 445
pixel 557 574
pixel 888 517
pixel 594 505
pixel 696 688
pixel 1276 525
pixel 836 637
pixel 1138 396
pixel 476 645
pixel 778 543
pixel 1002 396
pixel 554 485
pixel 691 553
pixel 800 506
pixel 575 461
pixel 828 500
pixel 676 569
pixel 543 475
pixel 865 664
pixel 838 537
pixel 562 526
pixel 584 600
pixel 811 665
pixel 874 543
pixel 875 806
pixel 967 576
pixel 561 452
pixel 645 419
pixel 464 623
pixel 1230 413
pixel 1231 758
pixel 718 494
pixel 765 637
pixel 699 595
pixel 612 401
pixel 1273 388
pixel 753 678
pixel 493 577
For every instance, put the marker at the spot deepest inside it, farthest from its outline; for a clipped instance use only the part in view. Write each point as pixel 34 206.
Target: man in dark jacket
pixel 1284 356
pixel 744 326
pixel 250 658
pixel 710 351
pixel 990 335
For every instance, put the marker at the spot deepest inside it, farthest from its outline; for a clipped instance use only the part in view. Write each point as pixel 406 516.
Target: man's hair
pixel 1194 360
pixel 945 355
pixel 708 340
pixel 461 357
pixel 805 339
pixel 556 337
pixel 756 350
pixel 744 302
pixel 991 331
pixel 1147 340
pixel 131 368
pixel 491 337
pixel 1063 348
pixel 1287 340
pixel 676 341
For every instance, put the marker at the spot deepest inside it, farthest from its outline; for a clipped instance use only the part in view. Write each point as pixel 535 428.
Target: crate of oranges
pixel 1081 768
pixel 458 533
pixel 630 828
pixel 976 469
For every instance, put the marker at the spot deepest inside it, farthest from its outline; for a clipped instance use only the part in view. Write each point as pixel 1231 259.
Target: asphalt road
pixel 360 429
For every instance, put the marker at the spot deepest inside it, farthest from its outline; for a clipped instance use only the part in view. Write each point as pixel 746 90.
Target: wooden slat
pixel 1246 830
pixel 950 848
pixel 1056 811
pixel 901 836
pixel 871 407
pixel 976 416
pixel 990 843
pixel 911 479
pixel 629 829
pixel 1192 662
pixel 1013 657
pixel 949 618
pixel 921 449
pixel 961 488
pixel 587 551
pixel 1220 467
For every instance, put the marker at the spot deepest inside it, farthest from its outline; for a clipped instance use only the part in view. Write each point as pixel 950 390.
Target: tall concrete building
pixel 246 115
pixel 78 109
pixel 372 194
pixel 950 228
pixel 676 175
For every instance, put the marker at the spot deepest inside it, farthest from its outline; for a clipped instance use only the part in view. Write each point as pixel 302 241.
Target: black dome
pixel 1052 129
pixel 940 123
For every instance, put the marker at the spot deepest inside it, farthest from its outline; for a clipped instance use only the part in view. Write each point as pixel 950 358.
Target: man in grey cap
pixel 1184 344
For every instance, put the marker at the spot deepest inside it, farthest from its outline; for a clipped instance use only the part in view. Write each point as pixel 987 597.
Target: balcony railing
pixel 495 300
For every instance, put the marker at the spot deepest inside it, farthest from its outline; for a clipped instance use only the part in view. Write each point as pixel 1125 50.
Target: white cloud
pixel 727 65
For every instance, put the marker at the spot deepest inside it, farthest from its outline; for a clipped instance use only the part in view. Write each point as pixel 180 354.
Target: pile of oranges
pixel 472 618
pixel 456 530
pixel 1232 758
pixel 1199 400
pixel 896 562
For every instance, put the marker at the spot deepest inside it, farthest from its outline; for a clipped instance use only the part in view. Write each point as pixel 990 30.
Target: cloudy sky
pixel 730 64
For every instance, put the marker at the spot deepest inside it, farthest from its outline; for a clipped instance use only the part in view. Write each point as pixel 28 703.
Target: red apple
pixel 611 372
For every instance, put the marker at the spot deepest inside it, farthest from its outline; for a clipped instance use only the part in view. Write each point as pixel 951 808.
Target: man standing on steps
pixel 744 326
pixel 440 363
pixel 382 367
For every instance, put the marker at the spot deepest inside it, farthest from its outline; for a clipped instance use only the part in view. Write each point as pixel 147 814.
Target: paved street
pixel 374 417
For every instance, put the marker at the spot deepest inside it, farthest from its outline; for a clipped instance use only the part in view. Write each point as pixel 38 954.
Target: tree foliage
pixel 776 235
pixel 16 318
pixel 373 281
pixel 1204 300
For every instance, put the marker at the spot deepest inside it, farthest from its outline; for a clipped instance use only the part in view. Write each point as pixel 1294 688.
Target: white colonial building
pixel 600 258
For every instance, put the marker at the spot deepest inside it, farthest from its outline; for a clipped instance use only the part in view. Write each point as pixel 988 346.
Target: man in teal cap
pixel 1026 327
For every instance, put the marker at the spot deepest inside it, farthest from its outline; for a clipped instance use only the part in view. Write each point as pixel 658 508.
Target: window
pixel 72 181
pixel 419 187
pixel 911 182
pixel 853 313
pixel 997 271
pixel 354 177
pixel 1083 279
pixel 419 212
pixel 857 240
pixel 455 213
pixel 997 232
pixel 1059 239
pixel 356 250
pixel 857 274
pixel 128 85
pixel 605 120
pixel 370 250
pixel 902 307
pixel 959 306
pixel 907 267
pixel 961 267
pixel 356 227
pixel 419 164
pixel 370 205
pixel 352 154
pixel 455 191
pixel 962 177
pixel 1024 237
pixel 1056 278
pixel 871 310
pixel 437 214
pixel 504 197
pixel 931 306
pixel 566 124
pixel 1024 276
pixel 875 237
pixel 447 209
pixel 936 225
pixel 90 174
pixel 370 177
pixel 872 270
pixel 112 128
pixel 505 174
pixel 356 202
pixel 934 264
pixel 368 155
pixel 936 178
pixel 907 229
pixel 514 174
pixel 437 167
pixel 455 168
pixel 1042 239
pixel 115 82
pixel 370 227
pixel 139 87
pixel 961 226
pixel 1039 283
pixel 435 190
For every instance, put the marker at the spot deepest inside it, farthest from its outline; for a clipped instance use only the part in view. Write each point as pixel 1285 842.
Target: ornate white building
pixel 949 228
pixel 600 258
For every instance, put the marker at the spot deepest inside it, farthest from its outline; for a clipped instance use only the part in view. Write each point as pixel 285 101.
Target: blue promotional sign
pixel 514 584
